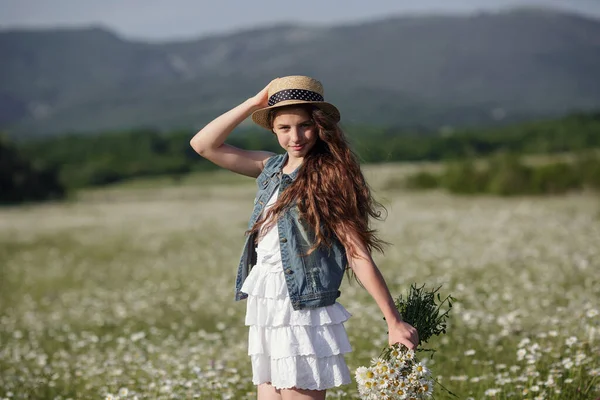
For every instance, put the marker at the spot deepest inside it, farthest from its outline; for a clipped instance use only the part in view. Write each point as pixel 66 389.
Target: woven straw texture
pixel 298 82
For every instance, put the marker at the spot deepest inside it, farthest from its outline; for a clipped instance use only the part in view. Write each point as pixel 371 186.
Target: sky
pixel 161 20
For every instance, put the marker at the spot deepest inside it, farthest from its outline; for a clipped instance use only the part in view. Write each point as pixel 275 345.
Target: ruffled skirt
pixel 289 348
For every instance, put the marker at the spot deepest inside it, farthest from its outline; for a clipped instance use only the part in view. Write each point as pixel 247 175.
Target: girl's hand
pixel 404 333
pixel 261 100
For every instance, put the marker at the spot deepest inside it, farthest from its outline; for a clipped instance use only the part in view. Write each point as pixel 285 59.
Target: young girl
pixel 310 223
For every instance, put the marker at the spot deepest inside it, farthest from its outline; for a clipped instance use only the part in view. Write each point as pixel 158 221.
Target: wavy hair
pixel 330 190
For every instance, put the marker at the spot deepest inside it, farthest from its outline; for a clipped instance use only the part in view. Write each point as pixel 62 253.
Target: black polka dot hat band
pixel 294 94
pixel 295 89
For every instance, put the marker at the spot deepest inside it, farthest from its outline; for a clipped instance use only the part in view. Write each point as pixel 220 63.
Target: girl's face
pixel 296 132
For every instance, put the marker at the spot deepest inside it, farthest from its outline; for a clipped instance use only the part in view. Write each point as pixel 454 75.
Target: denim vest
pixel 312 280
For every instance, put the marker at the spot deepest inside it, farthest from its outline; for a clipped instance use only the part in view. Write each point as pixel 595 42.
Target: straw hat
pixel 295 89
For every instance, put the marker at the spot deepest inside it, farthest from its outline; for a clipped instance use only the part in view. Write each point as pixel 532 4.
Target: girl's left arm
pixel 371 278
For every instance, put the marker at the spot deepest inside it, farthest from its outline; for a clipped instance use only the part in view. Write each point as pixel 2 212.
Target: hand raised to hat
pixel 261 100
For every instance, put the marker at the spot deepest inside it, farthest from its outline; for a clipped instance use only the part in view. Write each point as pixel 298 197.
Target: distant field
pixel 129 289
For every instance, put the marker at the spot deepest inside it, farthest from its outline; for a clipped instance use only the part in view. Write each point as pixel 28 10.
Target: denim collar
pixel 292 174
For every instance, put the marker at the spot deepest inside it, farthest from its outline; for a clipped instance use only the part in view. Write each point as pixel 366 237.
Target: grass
pixel 130 289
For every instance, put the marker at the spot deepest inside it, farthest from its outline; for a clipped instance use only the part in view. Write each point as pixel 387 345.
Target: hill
pixel 414 71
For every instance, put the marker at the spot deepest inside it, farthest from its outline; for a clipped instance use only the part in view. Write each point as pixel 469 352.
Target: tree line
pixel 71 161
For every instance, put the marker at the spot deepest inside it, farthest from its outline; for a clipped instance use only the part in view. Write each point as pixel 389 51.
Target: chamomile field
pixel 127 292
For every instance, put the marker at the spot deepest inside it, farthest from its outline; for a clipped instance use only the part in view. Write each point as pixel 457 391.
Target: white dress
pixel 303 349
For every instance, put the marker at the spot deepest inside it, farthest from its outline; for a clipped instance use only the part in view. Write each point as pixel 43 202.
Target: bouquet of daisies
pixel 397 373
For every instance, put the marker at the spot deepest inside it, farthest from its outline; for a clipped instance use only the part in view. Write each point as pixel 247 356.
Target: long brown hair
pixel 330 189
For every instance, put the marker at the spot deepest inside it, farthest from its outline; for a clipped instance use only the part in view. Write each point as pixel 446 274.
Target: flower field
pixel 128 293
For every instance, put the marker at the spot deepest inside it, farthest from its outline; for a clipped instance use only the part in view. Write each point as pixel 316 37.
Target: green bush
pixel 463 177
pixel 506 175
pixel 422 180
pixel 588 167
pixel 555 179
pixel 23 181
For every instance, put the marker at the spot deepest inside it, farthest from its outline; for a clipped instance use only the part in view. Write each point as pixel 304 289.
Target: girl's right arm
pixel 209 142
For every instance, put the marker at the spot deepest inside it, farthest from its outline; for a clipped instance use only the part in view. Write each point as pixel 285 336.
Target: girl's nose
pixel 295 134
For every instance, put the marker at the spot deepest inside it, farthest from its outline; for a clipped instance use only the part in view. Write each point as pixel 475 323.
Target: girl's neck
pixel 291 165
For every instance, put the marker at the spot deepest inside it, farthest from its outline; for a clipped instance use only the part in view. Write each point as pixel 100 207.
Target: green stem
pixel 443 387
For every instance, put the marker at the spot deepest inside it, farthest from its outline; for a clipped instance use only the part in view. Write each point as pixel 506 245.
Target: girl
pixel 310 223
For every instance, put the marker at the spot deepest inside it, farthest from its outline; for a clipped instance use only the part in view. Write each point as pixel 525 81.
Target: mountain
pixel 425 71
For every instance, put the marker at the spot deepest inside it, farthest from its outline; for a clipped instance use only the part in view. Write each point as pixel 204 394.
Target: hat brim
pixel 261 117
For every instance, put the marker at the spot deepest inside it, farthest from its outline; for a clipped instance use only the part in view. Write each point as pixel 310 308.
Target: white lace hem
pixel 306 372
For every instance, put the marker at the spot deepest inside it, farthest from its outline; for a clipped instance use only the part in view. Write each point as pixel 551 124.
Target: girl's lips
pixel 297 147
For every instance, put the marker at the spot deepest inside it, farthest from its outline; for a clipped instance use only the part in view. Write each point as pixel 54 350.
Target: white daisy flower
pixel 361 375
pixel 524 342
pixel 492 392
pixel 409 355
